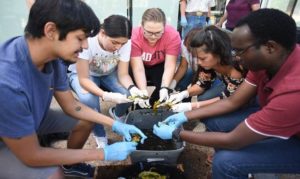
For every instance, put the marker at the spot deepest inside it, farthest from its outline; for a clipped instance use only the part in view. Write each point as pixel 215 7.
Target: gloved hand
pixel 115 97
pixel 163 130
pixel 178 97
pixel 176 120
pixel 173 84
pixel 163 94
pixel 143 103
pixel 134 91
pixel 183 21
pixel 126 129
pixel 182 107
pixel 119 150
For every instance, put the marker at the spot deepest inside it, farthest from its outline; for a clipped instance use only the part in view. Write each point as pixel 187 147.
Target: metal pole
pixel 129 10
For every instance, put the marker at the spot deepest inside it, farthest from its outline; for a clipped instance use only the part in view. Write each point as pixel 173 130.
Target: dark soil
pixel 194 163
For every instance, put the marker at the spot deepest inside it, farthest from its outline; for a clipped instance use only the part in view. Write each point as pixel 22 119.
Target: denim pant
pixel 185 81
pixel 193 21
pixel 214 91
pixel 272 155
pixel 110 83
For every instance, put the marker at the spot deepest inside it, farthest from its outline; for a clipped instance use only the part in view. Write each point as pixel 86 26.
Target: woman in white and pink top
pixel 155 47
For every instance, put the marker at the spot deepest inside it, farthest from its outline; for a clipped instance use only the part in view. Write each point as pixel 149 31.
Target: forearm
pixel 209 12
pixel 240 97
pixel 210 139
pixel 91 87
pixel 238 138
pixel 140 79
pixel 223 18
pixel 182 7
pixel 28 150
pixel 217 108
pixel 123 74
pixel 199 104
pixel 80 111
pixel 138 71
pixel 167 77
pixel 169 71
pixel 125 80
pixel 195 90
pixel 51 156
pixel 180 72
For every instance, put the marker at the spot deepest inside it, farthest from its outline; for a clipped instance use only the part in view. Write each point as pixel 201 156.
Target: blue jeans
pixel 228 122
pixel 214 91
pixel 192 22
pixel 272 155
pixel 185 81
pixel 110 83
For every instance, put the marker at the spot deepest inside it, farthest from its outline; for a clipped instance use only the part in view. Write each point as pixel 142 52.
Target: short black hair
pixel 216 41
pixel 117 26
pixel 271 24
pixel 68 15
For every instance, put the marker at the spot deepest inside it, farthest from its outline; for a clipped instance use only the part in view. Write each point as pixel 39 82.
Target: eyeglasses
pixel 150 34
pixel 239 52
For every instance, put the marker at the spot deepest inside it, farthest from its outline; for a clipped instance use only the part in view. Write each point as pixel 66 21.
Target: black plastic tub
pixel 154 149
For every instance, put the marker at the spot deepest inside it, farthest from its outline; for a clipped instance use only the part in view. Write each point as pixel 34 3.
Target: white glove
pixel 173 84
pixel 182 107
pixel 143 103
pixel 178 97
pixel 115 97
pixel 134 91
pixel 163 94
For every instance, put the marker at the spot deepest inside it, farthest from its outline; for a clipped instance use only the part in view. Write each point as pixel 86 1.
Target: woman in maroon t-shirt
pixel 235 10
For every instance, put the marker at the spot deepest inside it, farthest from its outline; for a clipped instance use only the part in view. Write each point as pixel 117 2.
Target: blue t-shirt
pixel 26 92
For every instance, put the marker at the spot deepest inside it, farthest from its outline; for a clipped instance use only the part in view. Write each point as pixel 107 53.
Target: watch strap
pixel 176 134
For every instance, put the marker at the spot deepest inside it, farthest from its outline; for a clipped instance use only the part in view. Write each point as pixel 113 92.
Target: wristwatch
pixel 175 134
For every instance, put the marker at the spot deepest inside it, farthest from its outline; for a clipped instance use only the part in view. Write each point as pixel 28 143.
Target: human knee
pixel 225 165
pixel 84 125
pixel 211 124
pixel 124 91
pixel 90 100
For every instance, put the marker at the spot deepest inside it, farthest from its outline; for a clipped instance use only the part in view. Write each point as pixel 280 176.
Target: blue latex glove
pixel 176 120
pixel 126 129
pixel 183 21
pixel 119 150
pixel 163 130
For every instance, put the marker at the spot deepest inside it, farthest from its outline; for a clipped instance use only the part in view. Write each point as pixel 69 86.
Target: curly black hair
pixel 271 24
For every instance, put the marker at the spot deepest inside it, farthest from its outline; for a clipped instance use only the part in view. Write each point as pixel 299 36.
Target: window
pixel 296 14
pixel 291 7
